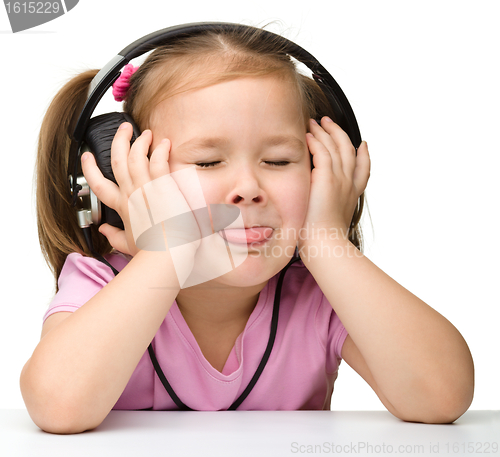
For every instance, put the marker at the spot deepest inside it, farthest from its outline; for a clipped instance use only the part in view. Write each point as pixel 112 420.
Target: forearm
pixel 80 368
pixel 418 359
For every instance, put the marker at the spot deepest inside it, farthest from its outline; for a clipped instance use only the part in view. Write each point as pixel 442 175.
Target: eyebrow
pixel 205 143
pixel 221 142
pixel 283 140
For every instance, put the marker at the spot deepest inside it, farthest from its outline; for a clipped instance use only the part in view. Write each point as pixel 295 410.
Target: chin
pixel 256 269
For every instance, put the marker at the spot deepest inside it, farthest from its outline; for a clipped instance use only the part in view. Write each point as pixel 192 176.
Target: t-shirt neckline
pixel 237 350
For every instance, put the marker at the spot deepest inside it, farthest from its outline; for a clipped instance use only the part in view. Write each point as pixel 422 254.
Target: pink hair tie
pixel 122 84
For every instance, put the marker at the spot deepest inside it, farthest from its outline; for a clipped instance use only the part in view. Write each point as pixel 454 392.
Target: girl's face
pixel 246 138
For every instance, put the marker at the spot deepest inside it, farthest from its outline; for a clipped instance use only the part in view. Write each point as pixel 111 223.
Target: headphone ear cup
pixel 99 136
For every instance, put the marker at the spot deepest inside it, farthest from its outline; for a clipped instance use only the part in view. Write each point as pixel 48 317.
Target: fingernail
pixel 85 156
pixel 327 119
pixel 314 121
pixel 123 126
pixel 164 140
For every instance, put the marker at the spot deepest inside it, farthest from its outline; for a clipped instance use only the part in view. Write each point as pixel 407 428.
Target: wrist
pixel 315 233
pixel 158 269
pixel 321 251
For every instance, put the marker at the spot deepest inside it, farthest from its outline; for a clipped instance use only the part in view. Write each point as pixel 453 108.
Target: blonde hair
pixel 188 64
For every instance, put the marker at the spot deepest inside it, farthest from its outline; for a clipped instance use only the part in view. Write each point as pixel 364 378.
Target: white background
pixel 422 78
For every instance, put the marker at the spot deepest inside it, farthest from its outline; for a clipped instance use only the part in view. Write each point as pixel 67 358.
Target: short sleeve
pixel 80 279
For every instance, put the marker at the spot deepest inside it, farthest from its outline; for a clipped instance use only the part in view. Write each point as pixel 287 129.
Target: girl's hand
pixel 338 179
pixel 132 170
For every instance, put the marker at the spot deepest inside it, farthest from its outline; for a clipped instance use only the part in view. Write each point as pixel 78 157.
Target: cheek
pixel 294 200
pixel 212 189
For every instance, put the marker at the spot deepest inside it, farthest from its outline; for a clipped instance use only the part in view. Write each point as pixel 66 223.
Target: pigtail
pixel 58 231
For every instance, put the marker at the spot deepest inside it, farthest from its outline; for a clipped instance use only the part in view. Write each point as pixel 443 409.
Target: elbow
pixel 443 415
pixel 453 395
pixel 52 411
pixel 435 416
pixel 444 405
pixel 61 421
pixel 451 407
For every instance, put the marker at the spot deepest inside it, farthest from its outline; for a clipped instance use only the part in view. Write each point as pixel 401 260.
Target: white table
pixel 254 433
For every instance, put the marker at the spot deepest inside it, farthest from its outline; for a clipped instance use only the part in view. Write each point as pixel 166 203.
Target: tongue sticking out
pixel 245 236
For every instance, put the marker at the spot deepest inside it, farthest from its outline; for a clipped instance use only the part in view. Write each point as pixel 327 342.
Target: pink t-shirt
pixel 299 374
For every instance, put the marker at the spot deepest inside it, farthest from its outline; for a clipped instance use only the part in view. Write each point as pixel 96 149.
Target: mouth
pixel 254 236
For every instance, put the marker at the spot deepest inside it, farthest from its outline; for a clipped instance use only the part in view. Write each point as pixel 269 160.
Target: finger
pixel 362 171
pixel 322 135
pixel 120 148
pixel 104 189
pixel 340 137
pixel 138 161
pixel 343 163
pixel 343 144
pixel 159 159
pixel 116 237
pixel 322 158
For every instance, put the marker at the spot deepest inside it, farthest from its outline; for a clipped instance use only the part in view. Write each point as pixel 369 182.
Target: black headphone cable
pixel 265 357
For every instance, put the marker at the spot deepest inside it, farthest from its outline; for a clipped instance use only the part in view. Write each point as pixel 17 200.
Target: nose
pixel 246 189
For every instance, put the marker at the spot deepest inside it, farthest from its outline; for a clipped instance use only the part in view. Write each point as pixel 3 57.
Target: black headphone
pixel 96 135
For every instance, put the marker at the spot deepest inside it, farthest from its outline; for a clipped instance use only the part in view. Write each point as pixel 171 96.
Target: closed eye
pixel 207 165
pixel 278 164
pixel 274 164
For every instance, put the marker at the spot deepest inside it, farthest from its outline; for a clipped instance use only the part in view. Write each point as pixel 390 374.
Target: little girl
pixel 232 107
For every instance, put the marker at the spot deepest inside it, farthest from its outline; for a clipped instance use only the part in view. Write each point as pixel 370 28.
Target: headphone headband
pixel 111 71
